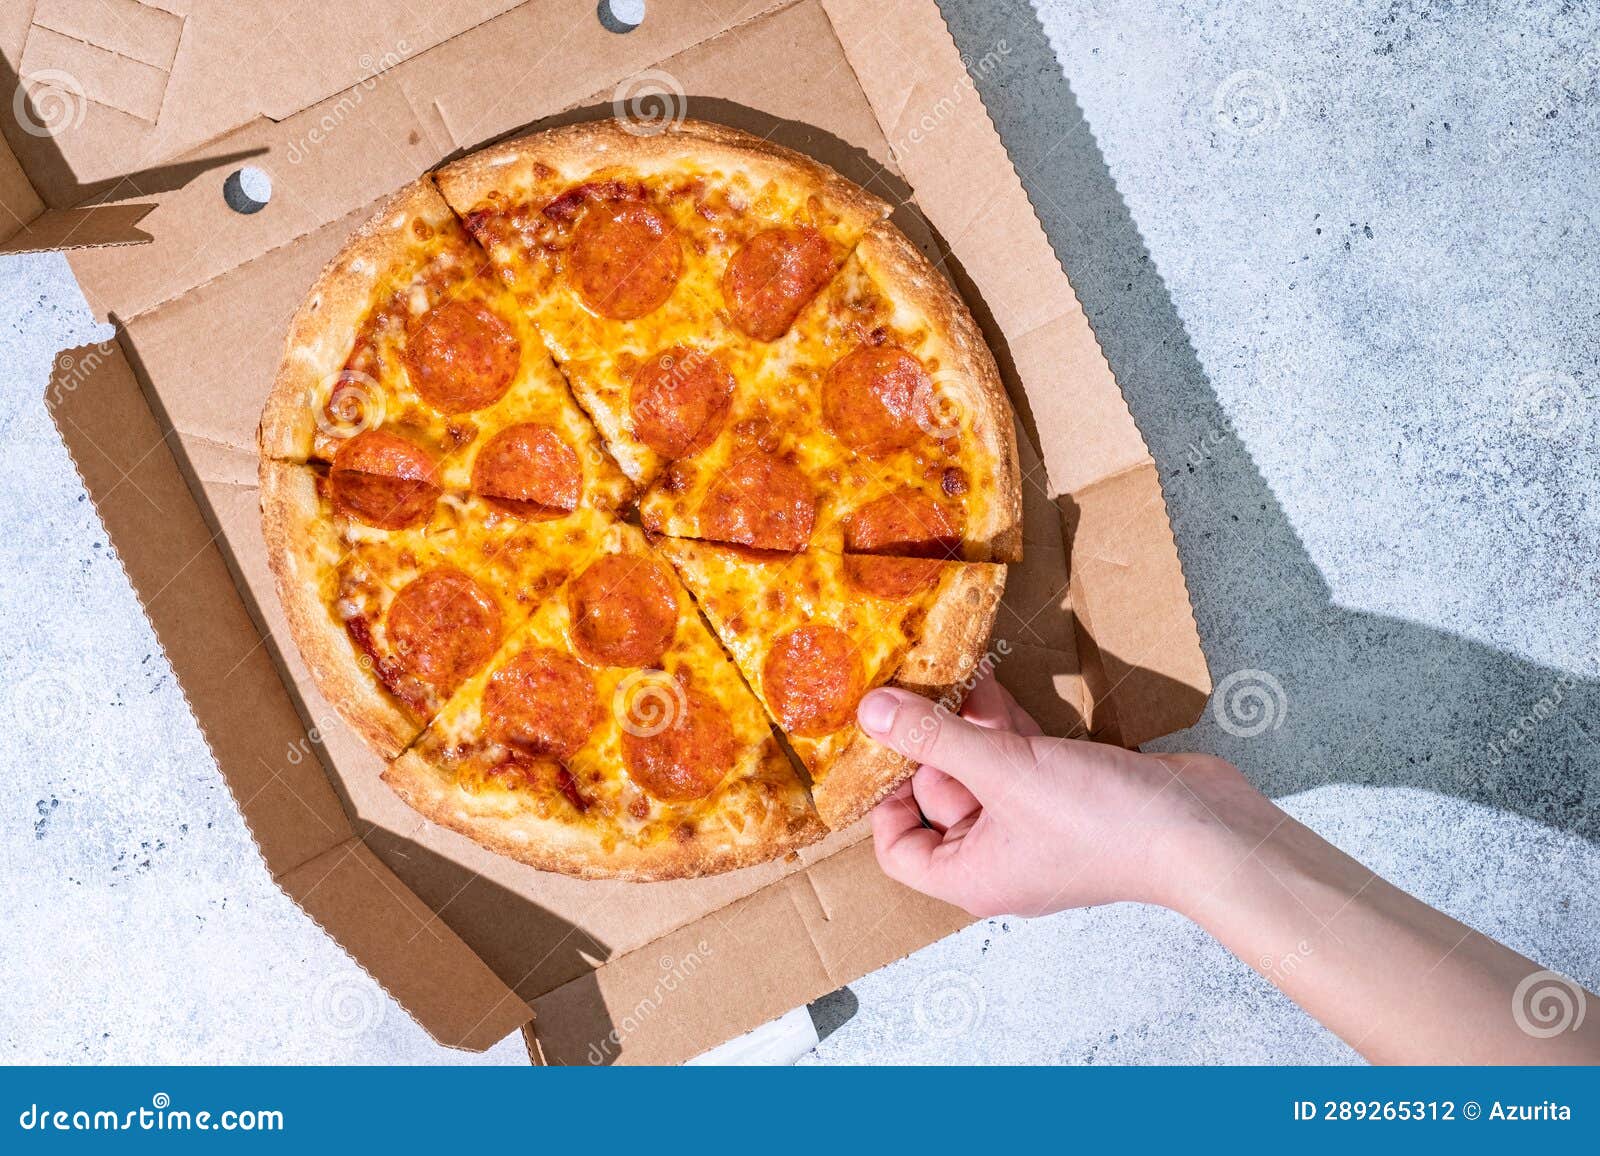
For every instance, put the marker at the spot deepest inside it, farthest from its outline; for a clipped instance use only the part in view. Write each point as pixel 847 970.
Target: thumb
pixel 987 761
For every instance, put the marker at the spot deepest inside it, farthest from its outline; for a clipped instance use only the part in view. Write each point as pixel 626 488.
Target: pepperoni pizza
pixel 597 462
pixel 812 632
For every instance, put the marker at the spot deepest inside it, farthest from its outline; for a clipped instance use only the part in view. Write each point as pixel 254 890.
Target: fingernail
pixel 876 712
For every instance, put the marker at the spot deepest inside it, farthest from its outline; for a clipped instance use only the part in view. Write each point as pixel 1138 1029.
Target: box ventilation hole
pixel 621 15
pixel 247 190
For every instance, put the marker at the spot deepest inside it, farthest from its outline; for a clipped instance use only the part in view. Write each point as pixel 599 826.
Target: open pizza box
pixel 132 121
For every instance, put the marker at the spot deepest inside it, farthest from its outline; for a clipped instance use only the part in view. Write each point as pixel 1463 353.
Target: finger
pixel 903 845
pixel 1021 721
pixel 910 853
pixel 943 800
pixel 988 762
pixel 986 706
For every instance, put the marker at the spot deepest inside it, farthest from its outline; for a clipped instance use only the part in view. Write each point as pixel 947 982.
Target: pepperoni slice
pixel 384 480
pixel 625 259
pixel 891 578
pixel 529 471
pixel 444 627
pixel 624 611
pixel 772 276
pixel 760 500
pixel 679 400
pixel 903 522
pixel 878 399
pixel 687 752
pixel 812 678
pixel 542 702
pixel 462 356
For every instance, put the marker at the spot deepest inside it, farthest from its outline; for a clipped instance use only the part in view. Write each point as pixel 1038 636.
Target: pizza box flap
pixel 177 562
pixel 107 91
pixel 674 998
pixel 1096 611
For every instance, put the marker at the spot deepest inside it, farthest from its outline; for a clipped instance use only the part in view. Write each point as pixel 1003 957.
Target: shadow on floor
pixel 1308 693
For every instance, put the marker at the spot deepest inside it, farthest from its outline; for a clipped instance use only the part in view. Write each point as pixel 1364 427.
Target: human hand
pixel 1022 823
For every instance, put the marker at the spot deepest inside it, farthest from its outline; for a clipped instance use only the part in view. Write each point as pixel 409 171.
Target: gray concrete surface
pixel 1343 260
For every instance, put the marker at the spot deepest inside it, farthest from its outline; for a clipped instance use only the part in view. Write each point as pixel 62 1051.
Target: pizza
pixel 604 473
pixel 392 619
pixel 814 631
pixel 617 673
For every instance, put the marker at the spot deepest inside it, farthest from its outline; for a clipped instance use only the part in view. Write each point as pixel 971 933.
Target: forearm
pixel 1397 980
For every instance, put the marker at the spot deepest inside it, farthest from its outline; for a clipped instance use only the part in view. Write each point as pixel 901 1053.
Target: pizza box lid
pixel 133 169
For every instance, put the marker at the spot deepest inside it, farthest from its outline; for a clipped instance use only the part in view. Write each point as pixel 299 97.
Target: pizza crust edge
pixel 952 644
pixel 296 531
pixel 552 845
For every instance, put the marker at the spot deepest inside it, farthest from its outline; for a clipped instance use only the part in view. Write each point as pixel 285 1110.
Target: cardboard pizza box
pixel 133 121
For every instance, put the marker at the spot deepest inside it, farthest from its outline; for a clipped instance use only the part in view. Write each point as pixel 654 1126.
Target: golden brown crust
pixel 324 328
pixel 549 845
pixel 863 775
pixel 955 631
pixel 577 150
pixel 970 379
pixel 300 547
pixel 940 667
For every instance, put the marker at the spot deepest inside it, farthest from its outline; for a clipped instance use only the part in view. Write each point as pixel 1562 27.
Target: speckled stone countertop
pixel 1344 262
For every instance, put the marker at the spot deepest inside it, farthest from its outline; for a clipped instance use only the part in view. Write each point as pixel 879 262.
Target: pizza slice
pixel 814 631
pixel 397 592
pixel 409 334
pixel 878 424
pixel 611 736
pixel 661 270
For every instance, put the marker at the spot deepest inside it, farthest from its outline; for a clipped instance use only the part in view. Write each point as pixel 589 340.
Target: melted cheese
pixel 753 602
pixel 458 744
pixel 782 404
pixel 715 212
pixel 375 388
pixel 362 568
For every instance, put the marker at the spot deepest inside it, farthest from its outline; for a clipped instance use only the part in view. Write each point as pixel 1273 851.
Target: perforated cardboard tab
pixel 91 227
